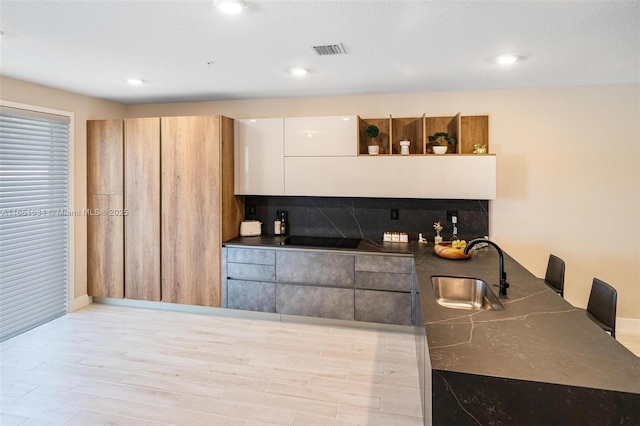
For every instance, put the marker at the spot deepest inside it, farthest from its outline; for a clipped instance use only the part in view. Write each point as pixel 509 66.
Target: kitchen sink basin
pixel 465 293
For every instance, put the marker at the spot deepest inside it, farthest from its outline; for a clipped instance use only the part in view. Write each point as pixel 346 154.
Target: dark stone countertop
pixel 366 246
pixel 539 336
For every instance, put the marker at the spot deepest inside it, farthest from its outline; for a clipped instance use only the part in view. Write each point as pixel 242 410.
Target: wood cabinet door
pixel 105 258
pixel 190 212
pixel 105 157
pixel 105 245
pixel 232 212
pixel 142 202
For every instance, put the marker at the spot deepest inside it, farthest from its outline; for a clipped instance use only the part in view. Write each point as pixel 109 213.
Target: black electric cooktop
pixel 328 242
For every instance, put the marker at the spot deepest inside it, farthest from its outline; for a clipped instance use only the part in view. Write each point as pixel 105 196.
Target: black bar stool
pixel 555 274
pixel 601 308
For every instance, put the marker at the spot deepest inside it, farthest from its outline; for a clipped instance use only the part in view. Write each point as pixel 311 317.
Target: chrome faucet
pixel 504 285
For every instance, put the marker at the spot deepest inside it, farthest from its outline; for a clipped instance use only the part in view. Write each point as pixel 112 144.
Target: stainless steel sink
pixel 465 293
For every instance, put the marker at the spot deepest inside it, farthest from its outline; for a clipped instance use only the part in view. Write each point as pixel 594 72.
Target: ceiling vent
pixel 329 49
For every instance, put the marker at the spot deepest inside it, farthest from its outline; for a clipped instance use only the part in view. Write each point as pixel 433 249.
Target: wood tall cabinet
pixel 105 227
pixel 142 202
pixel 174 179
pixel 199 209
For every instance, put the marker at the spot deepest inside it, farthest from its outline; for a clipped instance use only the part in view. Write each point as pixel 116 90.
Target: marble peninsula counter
pixel 540 361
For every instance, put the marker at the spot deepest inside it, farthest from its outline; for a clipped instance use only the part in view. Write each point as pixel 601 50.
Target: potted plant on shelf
pixel 442 141
pixel 372 132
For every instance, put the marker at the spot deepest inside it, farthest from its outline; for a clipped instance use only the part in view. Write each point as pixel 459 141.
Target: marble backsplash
pixel 369 218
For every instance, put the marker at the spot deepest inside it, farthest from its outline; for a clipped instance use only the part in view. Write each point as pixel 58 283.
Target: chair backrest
pixel 602 305
pixel 555 274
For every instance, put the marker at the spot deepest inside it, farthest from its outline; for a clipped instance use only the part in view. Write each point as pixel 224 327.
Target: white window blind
pixel 34 219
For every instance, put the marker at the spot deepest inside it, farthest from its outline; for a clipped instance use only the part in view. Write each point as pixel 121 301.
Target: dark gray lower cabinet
pixel 383 281
pixel 315 268
pixel 247 271
pixel 316 283
pixel 387 307
pixel 377 263
pixel 310 301
pixel 251 295
pixel 252 256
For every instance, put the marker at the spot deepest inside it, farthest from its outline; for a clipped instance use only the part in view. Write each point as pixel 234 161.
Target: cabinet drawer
pixel 373 263
pixel 315 268
pixel 322 302
pixel 383 306
pixel 383 281
pixel 251 296
pixel 257 256
pixel 248 271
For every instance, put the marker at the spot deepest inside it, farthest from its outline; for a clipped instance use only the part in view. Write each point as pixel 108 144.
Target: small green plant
pixel 372 131
pixel 442 138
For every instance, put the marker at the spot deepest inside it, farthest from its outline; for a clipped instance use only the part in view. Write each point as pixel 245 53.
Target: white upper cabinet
pixel 446 177
pixel 320 136
pixel 317 157
pixel 259 156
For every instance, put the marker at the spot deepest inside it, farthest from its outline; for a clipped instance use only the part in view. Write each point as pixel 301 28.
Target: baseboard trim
pixel 237 313
pixel 80 303
pixel 628 326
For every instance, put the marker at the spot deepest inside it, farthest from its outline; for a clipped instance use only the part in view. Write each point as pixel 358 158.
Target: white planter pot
pixel 404 147
pixel 440 149
pixel 374 150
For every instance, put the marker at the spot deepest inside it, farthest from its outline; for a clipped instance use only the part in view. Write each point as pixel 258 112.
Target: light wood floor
pixel 129 366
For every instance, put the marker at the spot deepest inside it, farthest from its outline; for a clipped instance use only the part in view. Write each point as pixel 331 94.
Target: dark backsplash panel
pixel 369 218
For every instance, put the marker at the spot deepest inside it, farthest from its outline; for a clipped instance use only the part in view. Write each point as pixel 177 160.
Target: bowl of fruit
pixel 452 250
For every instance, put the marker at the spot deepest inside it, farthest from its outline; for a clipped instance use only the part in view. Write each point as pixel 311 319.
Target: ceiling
pixel 190 51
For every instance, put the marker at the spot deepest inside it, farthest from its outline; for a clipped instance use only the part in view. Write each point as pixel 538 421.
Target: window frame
pixel 71 195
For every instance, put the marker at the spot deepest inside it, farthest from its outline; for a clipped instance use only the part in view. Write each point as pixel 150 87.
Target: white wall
pixel 568 167
pixel 568 170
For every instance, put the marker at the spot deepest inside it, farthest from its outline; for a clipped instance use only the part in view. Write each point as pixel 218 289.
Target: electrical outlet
pixel 395 214
pixel 450 214
pixel 252 209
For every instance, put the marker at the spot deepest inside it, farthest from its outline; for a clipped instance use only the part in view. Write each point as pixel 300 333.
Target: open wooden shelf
pixel 384 137
pixel 467 130
pixel 474 130
pixel 450 125
pixel 410 128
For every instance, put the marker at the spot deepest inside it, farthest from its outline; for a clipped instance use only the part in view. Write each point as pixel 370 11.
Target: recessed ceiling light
pixel 135 81
pixel 507 59
pixel 231 7
pixel 298 71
